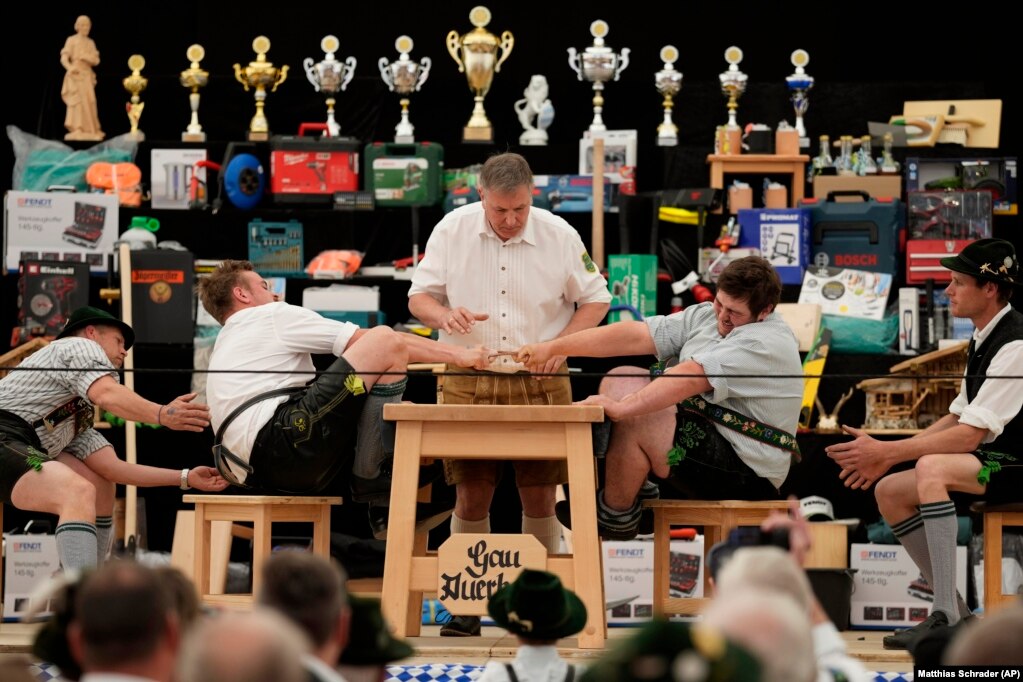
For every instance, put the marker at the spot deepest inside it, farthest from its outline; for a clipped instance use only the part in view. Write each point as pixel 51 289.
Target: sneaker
pixel 461 626
pixel 903 639
pixel 606 528
pixel 429 515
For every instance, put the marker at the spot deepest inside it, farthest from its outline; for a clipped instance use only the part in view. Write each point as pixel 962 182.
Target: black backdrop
pixel 867 58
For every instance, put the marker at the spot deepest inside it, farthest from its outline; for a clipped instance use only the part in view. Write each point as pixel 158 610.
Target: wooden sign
pixel 473 567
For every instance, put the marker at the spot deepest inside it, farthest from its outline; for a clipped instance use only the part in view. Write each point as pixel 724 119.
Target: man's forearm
pixel 613 340
pixel 677 384
pixel 123 402
pixel 428 310
pixel 107 464
pixel 427 350
pixel 955 439
pixel 586 316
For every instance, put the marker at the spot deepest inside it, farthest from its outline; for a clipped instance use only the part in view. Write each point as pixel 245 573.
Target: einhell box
pixel 783 237
pixel 312 169
pixel 632 279
pixel 404 174
pixel 50 290
pixel 629 577
pixel 888 589
pixel 923 259
pixel 997 175
pixel 64 226
pixel 865 235
pixel 161 296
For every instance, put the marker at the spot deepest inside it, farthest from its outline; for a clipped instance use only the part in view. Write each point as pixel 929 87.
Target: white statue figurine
pixel 535 104
pixel 78 57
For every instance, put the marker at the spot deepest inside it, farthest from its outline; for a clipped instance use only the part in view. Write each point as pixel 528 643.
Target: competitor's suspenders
pixel 220 451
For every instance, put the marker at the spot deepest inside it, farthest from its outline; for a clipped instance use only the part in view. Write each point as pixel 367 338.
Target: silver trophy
pixel 535 105
pixel 404 76
pixel 598 64
pixel 668 82
pixel 330 76
pixel 733 83
pixel 799 85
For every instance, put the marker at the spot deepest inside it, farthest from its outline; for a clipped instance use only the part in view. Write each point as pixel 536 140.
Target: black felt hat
pixel 991 260
pixel 369 640
pixel 537 606
pixel 86 315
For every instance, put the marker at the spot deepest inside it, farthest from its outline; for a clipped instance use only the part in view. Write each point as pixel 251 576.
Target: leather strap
pixel 220 451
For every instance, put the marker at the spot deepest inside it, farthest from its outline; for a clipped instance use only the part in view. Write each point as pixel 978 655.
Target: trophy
pixel 194 78
pixel 259 74
pixel 135 84
pixel 668 82
pixel 476 55
pixel 331 77
pixel 799 84
pixel 404 76
pixel 733 83
pixel 598 64
pixel 535 105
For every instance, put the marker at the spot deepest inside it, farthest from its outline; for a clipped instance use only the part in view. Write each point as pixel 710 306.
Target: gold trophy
pixel 330 77
pixel 194 78
pixel 479 61
pixel 598 64
pixel 668 82
pixel 135 84
pixel 733 84
pixel 260 74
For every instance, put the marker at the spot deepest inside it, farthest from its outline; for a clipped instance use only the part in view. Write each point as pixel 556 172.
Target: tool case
pixel 310 170
pixel 404 174
pixel 865 235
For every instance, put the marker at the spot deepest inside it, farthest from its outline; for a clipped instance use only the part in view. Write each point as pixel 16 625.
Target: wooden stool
pixel 718 517
pixel 491 432
pixel 996 516
pixel 262 511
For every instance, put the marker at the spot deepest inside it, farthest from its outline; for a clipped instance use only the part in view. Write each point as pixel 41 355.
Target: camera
pixel 744 536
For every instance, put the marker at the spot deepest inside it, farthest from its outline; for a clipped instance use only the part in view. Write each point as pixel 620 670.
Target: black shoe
pixel 461 626
pixel 903 639
pixel 429 515
pixel 369 490
pixel 627 531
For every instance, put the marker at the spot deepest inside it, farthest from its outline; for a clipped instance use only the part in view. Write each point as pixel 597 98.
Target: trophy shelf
pixel 765 164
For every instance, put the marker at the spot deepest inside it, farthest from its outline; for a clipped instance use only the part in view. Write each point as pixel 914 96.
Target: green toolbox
pixel 632 279
pixel 404 174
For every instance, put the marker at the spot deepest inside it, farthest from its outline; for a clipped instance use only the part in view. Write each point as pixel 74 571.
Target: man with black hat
pixel 538 610
pixel 973 450
pixel 52 460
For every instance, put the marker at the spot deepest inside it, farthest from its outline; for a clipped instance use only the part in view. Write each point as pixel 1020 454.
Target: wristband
pixel 158 413
pixel 184 480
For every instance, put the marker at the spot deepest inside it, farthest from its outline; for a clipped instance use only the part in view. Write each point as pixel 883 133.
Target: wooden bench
pixel 518 432
pixel 996 517
pixel 262 511
pixel 717 517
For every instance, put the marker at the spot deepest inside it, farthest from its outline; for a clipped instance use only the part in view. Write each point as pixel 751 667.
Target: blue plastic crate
pixel 275 249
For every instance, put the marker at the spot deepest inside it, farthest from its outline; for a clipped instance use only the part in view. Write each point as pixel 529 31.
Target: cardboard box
pixel 341 297
pixel 60 226
pixel 30 561
pixel 783 237
pixel 311 170
pixel 629 576
pixel 170 176
pixel 889 590
pixel 574 193
pixel 877 186
pixel 909 320
pixel 972 171
pixel 849 293
pixel 632 279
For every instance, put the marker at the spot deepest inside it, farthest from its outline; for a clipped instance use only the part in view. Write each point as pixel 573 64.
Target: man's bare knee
pixel 622 381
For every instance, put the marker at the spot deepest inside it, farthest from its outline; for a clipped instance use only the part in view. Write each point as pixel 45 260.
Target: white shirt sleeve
pixel 430 276
pixel 305 331
pixel 999 400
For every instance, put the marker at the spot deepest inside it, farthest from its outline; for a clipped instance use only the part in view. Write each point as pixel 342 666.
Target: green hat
pixel 86 315
pixel 537 606
pixel 663 651
pixel 370 642
pixel 991 260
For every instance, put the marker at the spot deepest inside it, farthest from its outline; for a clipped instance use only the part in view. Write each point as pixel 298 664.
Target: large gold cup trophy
pixel 135 84
pixel 476 55
pixel 260 74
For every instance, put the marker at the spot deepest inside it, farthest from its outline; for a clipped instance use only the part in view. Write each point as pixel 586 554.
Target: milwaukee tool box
pixel 404 174
pixel 310 170
pixel 866 235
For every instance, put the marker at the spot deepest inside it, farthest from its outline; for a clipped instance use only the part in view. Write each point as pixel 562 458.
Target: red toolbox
pixel 310 170
pixel 923 259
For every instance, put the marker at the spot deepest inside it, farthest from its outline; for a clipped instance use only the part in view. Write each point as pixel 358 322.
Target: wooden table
pixel 491 432
pixel 736 164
